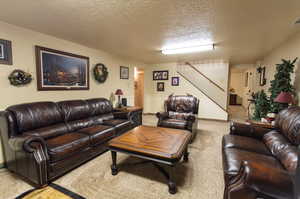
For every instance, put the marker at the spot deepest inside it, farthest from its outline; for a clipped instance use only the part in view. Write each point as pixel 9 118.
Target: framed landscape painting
pixel 5 52
pixel 57 70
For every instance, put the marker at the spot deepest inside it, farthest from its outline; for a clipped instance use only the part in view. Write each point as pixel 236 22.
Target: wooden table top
pixel 261 124
pixel 153 141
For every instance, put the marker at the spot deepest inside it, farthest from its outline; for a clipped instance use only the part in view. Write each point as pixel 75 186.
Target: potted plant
pixel 261 105
pixel 281 83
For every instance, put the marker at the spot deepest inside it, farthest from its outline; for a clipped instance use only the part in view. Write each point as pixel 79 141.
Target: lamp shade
pixel 119 92
pixel 284 97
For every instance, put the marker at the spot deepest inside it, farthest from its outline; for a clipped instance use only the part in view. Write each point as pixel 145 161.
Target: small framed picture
pixel 124 72
pixel 5 52
pixel 161 75
pixel 175 81
pixel 160 86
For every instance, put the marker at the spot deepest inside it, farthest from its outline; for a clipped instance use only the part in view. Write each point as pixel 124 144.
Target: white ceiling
pixel 243 30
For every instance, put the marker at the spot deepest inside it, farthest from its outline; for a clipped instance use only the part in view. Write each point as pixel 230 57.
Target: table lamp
pixel 284 98
pixel 119 92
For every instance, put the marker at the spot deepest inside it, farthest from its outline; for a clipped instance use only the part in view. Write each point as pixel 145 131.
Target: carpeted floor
pixel 200 178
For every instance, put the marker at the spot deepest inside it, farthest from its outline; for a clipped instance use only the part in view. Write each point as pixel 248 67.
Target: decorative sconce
pixel 262 73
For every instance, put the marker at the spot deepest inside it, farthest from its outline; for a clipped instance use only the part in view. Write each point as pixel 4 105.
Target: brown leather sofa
pixel 180 113
pixel 260 162
pixel 44 140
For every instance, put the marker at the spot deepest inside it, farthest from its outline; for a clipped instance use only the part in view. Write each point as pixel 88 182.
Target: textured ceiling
pixel 243 31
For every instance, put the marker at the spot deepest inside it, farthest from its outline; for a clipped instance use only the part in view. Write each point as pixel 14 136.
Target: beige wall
pixel 237 82
pixel 23 42
pixel 288 50
pixel 153 101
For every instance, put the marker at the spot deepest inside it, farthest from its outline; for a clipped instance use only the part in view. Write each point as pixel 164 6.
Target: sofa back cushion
pixel 179 116
pixel 74 110
pixel 35 115
pixel 49 131
pixel 282 149
pixel 288 122
pixel 182 104
pixel 100 106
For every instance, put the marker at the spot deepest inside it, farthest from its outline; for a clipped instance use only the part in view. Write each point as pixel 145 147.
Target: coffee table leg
pixel 171 183
pixel 186 155
pixel 114 168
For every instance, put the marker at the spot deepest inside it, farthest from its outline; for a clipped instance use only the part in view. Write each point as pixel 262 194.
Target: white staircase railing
pixel 208 87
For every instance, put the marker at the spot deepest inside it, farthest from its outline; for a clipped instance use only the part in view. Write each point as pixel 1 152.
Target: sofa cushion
pixel 174 123
pixel 99 106
pixel 245 143
pixel 283 150
pixel 233 157
pixel 49 131
pixel 35 115
pixel 119 124
pixel 288 122
pixel 99 134
pixel 74 110
pixel 66 145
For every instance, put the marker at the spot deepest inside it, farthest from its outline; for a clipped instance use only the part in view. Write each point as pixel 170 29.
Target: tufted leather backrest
pixel 288 122
pixel 182 104
pixel 100 106
pixel 34 115
pixel 74 109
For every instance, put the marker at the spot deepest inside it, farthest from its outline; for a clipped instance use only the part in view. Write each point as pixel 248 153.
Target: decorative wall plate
pixel 19 77
pixel 100 73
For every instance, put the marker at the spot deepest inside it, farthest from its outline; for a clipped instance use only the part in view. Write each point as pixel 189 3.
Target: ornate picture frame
pixel 58 70
pixel 124 72
pixel 5 52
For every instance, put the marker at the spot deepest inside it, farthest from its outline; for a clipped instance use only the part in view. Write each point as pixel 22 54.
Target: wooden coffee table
pixel 156 144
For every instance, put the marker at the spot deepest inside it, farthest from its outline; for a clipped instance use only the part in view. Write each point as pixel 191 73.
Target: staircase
pixel 212 90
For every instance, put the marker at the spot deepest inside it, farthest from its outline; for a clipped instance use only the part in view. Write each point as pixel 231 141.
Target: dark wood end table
pixel 136 113
pixel 156 144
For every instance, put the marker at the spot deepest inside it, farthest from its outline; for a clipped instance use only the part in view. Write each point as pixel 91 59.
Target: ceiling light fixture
pixel 191 49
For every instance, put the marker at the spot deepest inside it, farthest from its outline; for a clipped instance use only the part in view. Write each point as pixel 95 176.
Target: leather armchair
pixel 260 162
pixel 180 113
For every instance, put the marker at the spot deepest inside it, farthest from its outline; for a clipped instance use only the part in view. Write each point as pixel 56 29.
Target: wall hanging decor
pixel 262 73
pixel 124 72
pixel 100 73
pixel 57 70
pixel 175 81
pixel 19 78
pixel 160 86
pixel 5 52
pixel 161 75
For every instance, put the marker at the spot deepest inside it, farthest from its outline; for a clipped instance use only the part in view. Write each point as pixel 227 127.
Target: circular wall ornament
pixel 19 77
pixel 100 73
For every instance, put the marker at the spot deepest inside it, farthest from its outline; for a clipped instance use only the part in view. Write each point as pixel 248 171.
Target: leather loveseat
pixel 180 113
pixel 44 140
pixel 260 162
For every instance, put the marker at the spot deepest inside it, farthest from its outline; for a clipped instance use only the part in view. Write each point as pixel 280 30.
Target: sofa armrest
pixel 34 150
pixel 162 115
pixel 191 118
pixel 259 180
pixel 247 129
pixel 26 143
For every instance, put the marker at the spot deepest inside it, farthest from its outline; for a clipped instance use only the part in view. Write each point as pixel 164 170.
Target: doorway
pixel 138 87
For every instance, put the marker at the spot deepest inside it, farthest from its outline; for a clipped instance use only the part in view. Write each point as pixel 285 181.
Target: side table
pixel 135 114
pixel 261 124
